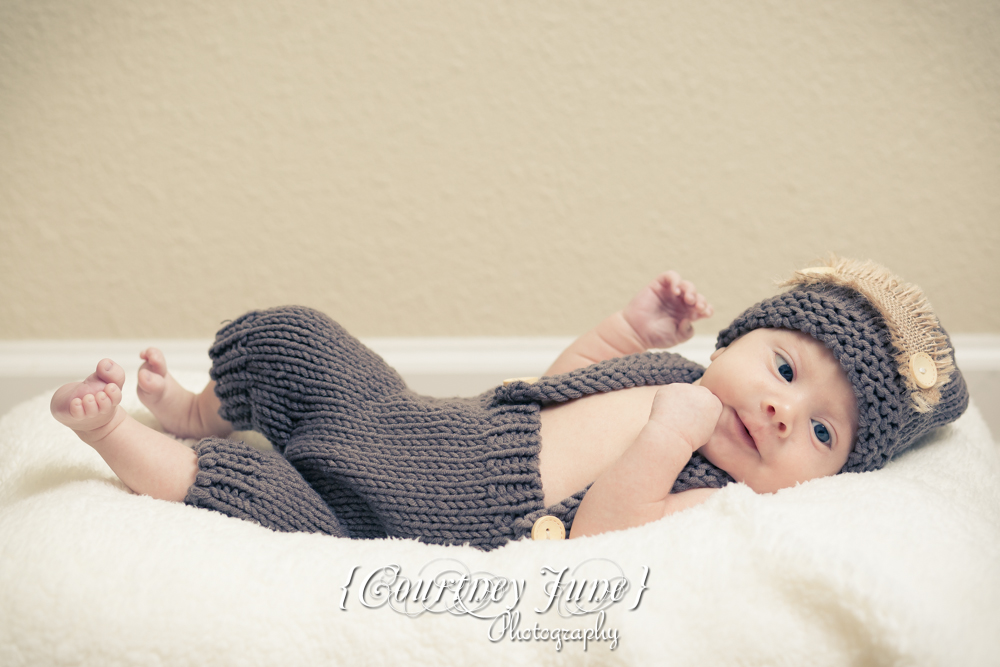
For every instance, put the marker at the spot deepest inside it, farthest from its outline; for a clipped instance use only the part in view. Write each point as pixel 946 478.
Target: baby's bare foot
pixel 91 407
pixel 174 406
pixel 147 461
pixel 170 403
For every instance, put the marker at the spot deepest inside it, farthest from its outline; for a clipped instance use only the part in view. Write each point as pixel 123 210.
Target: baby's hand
pixel 635 489
pixel 663 312
pixel 687 411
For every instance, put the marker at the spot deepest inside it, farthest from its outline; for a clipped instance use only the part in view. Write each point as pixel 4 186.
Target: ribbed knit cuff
pixel 246 483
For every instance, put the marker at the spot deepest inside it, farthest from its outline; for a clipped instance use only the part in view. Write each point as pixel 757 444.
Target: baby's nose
pixel 780 417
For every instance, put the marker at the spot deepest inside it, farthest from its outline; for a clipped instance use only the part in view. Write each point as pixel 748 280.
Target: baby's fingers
pixel 702 308
pixel 688 293
pixel 667 282
pixel 674 291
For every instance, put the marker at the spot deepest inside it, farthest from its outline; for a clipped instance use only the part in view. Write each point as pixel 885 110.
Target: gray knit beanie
pixel 896 354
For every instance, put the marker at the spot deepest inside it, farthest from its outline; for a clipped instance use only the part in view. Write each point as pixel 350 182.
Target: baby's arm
pixel 636 488
pixel 659 316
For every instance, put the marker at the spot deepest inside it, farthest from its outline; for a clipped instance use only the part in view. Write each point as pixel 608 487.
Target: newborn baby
pixel 837 374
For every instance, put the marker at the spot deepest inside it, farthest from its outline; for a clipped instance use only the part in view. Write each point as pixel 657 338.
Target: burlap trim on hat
pixel 907 314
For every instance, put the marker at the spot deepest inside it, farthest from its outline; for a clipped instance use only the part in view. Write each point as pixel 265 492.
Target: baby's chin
pixel 738 472
pixel 709 452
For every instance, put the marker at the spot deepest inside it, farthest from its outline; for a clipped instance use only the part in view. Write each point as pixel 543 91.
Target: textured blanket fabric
pixel 897 566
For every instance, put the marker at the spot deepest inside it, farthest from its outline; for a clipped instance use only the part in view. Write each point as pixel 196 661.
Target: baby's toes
pixel 90 407
pixel 104 403
pixel 114 393
pixel 149 381
pixel 76 408
pixel 109 371
pixel 155 361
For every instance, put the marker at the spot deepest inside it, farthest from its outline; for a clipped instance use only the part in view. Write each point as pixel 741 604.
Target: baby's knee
pixel 279 321
pixel 298 316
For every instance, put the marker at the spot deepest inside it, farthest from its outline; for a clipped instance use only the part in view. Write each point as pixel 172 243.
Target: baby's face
pixel 789 412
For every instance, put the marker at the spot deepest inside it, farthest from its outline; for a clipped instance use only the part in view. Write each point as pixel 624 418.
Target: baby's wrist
pixel 622 335
pixel 666 433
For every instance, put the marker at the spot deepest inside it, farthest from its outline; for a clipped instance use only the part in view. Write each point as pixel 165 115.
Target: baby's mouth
pixel 744 432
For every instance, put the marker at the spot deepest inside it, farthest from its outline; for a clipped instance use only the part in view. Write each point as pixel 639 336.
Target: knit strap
pixel 634 370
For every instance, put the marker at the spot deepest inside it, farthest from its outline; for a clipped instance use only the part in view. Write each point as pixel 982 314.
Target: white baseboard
pixel 41 358
pixel 977 352
pixel 504 357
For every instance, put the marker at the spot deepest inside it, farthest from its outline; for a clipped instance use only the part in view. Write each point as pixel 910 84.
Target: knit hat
pixel 897 355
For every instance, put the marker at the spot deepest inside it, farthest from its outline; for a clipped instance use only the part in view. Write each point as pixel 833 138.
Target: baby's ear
pixel 715 355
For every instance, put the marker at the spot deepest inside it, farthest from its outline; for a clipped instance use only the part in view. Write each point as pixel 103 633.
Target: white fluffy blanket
pixel 901 566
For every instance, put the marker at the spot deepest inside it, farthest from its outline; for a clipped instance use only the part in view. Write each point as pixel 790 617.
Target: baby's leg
pixel 180 411
pixel 147 461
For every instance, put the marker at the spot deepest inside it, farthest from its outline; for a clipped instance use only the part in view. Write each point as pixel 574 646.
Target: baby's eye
pixel 822 434
pixel 784 368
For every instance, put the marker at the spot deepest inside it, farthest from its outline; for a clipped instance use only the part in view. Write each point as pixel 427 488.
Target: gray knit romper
pixel 359 455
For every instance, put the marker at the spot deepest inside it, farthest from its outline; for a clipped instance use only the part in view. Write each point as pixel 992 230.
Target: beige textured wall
pixel 484 168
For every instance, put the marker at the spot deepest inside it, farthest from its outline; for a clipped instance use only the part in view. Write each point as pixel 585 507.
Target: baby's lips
pixel 744 430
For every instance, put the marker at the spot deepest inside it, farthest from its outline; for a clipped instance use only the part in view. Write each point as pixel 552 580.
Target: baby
pixel 838 374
